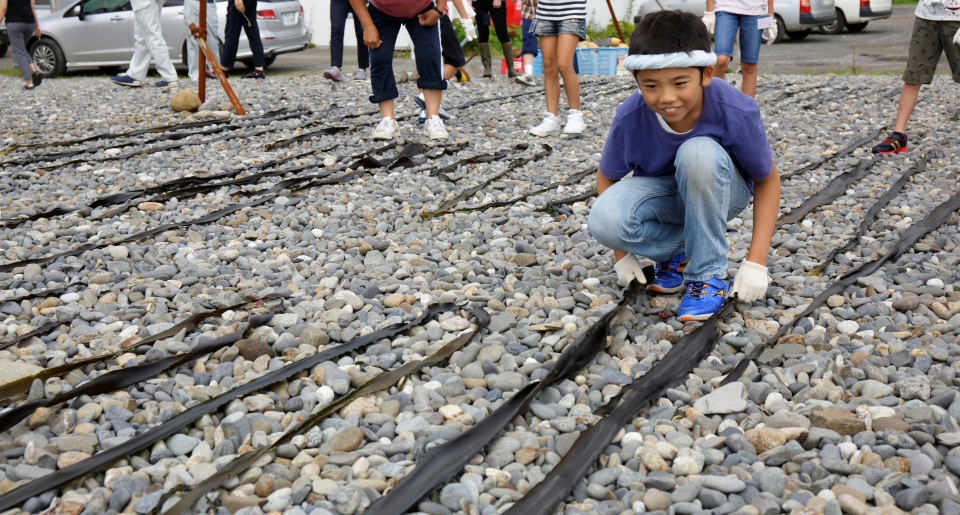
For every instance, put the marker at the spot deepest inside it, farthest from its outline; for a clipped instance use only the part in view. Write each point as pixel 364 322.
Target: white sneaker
pixel 434 128
pixel 575 123
pixel 387 129
pixel 549 127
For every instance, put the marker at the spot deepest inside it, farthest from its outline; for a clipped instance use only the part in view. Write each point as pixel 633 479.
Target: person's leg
pixel 529 48
pixel 451 51
pixel 750 40
pixel 551 71
pixel 382 81
pixel 908 100
pixel 191 14
pixel 140 61
pixel 339 9
pixel 640 216
pixel 724 34
pixel 213 26
pixel 363 57
pixel 566 48
pixel 499 19
pixel 231 36
pixel 18 42
pixel 712 191
pixel 253 34
pixel 153 36
pixel 483 8
pixel 426 46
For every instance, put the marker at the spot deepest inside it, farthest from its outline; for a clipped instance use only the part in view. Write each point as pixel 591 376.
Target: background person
pixel 451 51
pixel 560 25
pixel 936 30
pixel 242 13
pixel 498 16
pixel 528 13
pixel 148 42
pixel 724 18
pixel 22 22
pixel 191 14
pixel 339 9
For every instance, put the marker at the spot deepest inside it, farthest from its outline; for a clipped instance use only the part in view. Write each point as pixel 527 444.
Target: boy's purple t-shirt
pixel 637 143
pixel 403 9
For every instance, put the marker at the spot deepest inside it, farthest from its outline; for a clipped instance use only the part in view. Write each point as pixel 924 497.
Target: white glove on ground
pixel 630 268
pixel 469 29
pixel 956 38
pixel 770 33
pixel 751 282
pixel 710 20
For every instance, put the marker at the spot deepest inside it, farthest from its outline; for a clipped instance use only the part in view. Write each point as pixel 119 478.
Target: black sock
pixel 900 134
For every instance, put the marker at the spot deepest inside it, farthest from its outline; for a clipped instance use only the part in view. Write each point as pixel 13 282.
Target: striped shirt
pixel 559 10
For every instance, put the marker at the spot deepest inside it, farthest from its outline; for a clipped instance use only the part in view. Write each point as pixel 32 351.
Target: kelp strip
pixel 443 461
pixel 479 159
pixel 49 292
pixel 871 215
pixel 43 329
pixel 124 377
pixel 192 322
pixel 573 179
pixel 843 153
pixel 553 207
pixel 379 383
pixel 669 371
pixel 445 208
pixel 908 238
pixel 829 193
pixel 104 458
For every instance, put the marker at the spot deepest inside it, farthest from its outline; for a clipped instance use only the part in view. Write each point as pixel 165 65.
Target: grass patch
pixel 10 72
pixel 905 2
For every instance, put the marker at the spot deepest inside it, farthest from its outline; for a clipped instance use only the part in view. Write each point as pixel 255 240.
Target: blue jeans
pixel 725 32
pixel 529 45
pixel 660 217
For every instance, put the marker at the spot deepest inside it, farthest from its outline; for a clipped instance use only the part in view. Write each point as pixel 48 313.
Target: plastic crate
pixel 598 61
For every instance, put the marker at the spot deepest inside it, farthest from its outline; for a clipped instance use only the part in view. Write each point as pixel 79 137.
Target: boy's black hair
pixel 667 32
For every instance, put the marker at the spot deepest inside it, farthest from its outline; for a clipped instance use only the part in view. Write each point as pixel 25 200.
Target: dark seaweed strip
pixel 23 384
pixel 469 192
pixel 483 158
pixel 43 329
pixel 443 461
pixel 381 382
pixel 829 193
pixel 124 377
pixel 573 179
pixel 881 203
pixel 60 477
pixel 44 293
pixel 670 370
pixel 553 207
pixel 843 153
pixel 801 90
pixel 908 237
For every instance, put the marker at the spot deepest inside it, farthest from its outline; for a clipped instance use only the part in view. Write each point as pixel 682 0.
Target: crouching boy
pixel 698 152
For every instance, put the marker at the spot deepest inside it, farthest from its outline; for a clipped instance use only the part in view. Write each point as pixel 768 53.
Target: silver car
pixel 100 33
pixel 795 18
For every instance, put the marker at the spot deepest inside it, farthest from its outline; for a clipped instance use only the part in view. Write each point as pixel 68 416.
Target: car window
pixel 105 6
pixel 173 3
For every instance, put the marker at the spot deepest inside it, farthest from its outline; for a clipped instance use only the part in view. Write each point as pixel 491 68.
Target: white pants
pixel 149 43
pixel 191 14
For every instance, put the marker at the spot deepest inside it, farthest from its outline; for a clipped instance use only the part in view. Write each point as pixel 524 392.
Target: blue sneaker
pixel 669 275
pixel 702 300
pixel 125 80
pixel 162 84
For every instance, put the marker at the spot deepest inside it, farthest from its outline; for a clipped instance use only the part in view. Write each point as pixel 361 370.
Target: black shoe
pixel 37 78
pixel 255 74
pixel 895 144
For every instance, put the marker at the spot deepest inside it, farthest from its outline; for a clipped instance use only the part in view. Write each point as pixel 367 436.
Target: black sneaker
pixel 895 144
pixel 37 78
pixel 255 74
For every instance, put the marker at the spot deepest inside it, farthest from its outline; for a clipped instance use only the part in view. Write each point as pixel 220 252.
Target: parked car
pixel 100 33
pixel 855 14
pixel 795 18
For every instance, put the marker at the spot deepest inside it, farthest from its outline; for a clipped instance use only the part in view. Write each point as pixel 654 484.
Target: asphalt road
pixel 880 48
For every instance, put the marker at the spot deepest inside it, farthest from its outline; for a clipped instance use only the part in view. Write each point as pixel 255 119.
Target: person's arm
pixel 769 6
pixel 458 4
pixel 602 184
pixel 710 4
pixel 36 19
pixel 371 37
pixel 431 17
pixel 766 207
pixel 3 9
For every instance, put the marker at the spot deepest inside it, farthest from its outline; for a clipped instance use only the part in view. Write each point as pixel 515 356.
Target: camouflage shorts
pixel 931 38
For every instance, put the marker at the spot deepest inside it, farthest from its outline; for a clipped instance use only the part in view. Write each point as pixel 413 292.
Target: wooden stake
pixel 216 69
pixel 615 22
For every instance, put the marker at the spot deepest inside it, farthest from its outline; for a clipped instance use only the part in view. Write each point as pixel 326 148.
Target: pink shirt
pixel 403 9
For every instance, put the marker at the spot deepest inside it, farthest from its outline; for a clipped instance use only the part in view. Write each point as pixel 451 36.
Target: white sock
pixel 528 69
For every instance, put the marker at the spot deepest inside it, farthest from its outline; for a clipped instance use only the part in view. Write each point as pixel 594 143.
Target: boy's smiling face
pixel 675 93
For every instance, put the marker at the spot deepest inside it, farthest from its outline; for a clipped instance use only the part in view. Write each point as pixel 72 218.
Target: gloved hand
pixel 956 38
pixel 710 20
pixel 469 28
pixel 751 282
pixel 771 33
pixel 630 268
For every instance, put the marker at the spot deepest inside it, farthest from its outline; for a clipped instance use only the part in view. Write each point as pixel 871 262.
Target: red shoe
pixel 895 144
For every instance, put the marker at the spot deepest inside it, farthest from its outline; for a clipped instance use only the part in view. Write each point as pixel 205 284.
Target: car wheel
pixel 3 50
pixel 835 27
pixel 799 34
pixel 856 27
pixel 267 61
pixel 48 58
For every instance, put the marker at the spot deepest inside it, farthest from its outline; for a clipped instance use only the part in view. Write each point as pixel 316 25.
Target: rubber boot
pixel 508 55
pixel 485 59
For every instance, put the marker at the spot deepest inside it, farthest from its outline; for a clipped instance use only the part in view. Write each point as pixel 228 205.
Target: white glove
pixel 710 20
pixel 956 38
pixel 469 29
pixel 751 282
pixel 630 268
pixel 771 33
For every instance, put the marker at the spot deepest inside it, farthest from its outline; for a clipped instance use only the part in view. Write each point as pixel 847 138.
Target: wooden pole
pixel 216 69
pixel 615 22
pixel 202 61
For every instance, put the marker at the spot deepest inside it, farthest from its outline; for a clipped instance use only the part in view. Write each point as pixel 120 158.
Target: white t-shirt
pixel 747 7
pixel 938 10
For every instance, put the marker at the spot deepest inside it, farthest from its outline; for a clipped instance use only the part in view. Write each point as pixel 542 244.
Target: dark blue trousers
pixel 236 20
pixel 339 9
pixel 426 44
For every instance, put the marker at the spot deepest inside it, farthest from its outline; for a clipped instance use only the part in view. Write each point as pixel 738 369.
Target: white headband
pixel 694 59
